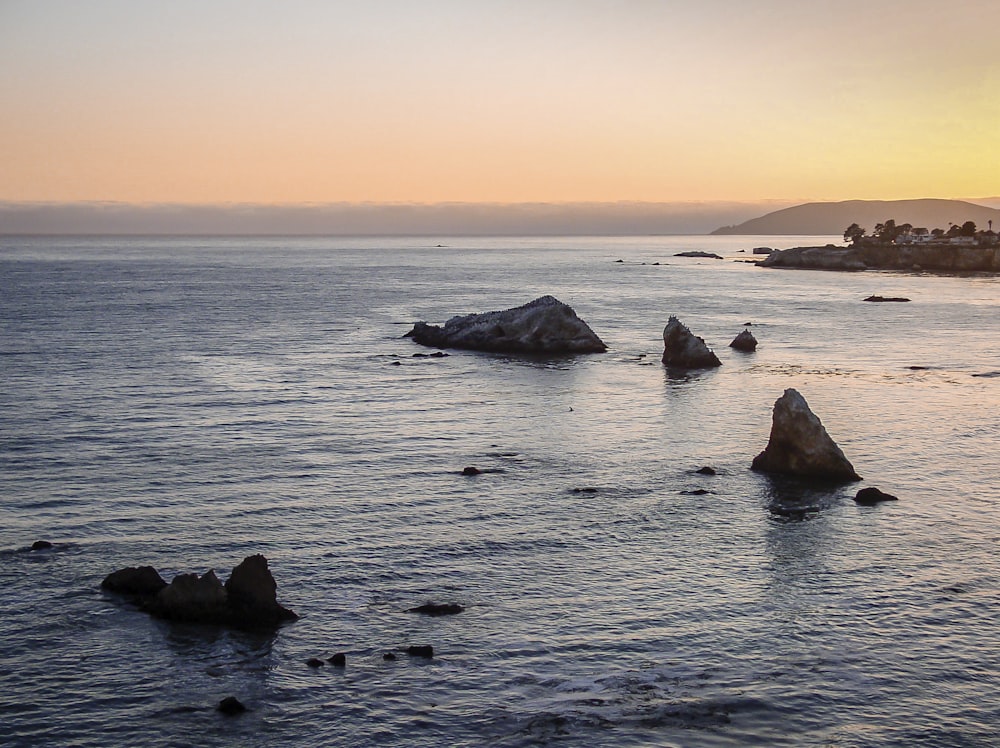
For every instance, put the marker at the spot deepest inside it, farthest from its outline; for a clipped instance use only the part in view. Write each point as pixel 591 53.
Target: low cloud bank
pixel 351 219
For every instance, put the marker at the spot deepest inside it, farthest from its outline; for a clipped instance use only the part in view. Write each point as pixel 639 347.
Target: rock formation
pixel 745 341
pixel 247 600
pixel 544 325
pixel 683 350
pixel 871 496
pixel 799 445
pixel 829 257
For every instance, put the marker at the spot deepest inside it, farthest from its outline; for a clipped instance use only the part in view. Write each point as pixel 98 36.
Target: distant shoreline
pixel 926 258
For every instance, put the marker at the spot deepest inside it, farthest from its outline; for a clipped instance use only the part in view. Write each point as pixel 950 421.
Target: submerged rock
pixel 437 609
pixel 247 600
pixel 871 496
pixel 684 350
pixel 745 341
pixel 544 325
pixel 420 650
pixel 799 444
pixel 886 298
pixel 231 705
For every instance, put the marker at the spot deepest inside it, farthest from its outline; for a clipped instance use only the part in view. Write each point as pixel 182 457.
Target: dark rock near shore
pixel 231 705
pixel 683 350
pixel 437 609
pixel 246 601
pixel 338 659
pixel 544 325
pixel 134 580
pixel 799 444
pixel 886 298
pixel 745 341
pixel 763 250
pixel 871 496
pixel 420 650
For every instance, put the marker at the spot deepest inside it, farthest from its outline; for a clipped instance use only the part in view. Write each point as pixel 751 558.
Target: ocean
pixel 186 402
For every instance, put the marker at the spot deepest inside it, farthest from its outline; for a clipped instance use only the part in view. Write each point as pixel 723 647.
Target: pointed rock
pixel 799 444
pixel 684 350
pixel 745 341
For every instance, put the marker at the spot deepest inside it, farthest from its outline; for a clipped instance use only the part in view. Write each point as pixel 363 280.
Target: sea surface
pixel 187 402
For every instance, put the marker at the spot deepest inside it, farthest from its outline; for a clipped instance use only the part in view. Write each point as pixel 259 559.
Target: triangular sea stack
pixel 799 444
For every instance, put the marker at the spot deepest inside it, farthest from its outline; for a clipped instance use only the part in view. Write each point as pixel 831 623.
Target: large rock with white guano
pixel 684 350
pixel 544 325
pixel 799 445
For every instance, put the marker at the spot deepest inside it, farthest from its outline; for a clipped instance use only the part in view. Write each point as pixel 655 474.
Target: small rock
pixel 886 298
pixel 338 660
pixel 699 253
pixel 471 471
pixel 696 492
pixel 585 490
pixel 389 656
pixel 41 545
pixel 706 470
pixel 314 662
pixel 437 609
pixel 420 650
pixel 871 495
pixel 231 705
pixel 745 341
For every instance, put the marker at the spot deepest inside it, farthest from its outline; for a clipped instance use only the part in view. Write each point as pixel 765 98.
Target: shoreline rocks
pixel 544 325
pixel 684 350
pixel 799 444
pixel 870 256
pixel 246 601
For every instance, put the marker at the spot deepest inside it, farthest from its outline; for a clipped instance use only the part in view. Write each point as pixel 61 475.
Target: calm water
pixel 188 402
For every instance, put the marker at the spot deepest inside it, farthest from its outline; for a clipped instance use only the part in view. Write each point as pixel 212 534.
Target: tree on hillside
pixel 854 233
pixel 968 229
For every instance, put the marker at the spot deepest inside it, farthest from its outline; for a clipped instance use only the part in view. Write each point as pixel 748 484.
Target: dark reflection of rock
pixel 544 325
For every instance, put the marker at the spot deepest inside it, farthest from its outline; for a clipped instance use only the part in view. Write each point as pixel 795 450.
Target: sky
pixel 498 101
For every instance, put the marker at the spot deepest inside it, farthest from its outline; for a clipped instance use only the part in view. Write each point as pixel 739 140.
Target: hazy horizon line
pixel 571 218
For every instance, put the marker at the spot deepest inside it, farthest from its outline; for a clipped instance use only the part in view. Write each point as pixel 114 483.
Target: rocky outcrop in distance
pixel 940 259
pixel 542 326
pixel 799 444
pixel 247 600
pixel 684 350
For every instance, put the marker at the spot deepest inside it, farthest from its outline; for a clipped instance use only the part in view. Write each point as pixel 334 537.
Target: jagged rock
pixel 134 580
pixel 252 592
pixel 799 445
pixel 745 341
pixel 437 609
pixel 231 705
pixel 247 600
pixel 192 598
pixel 544 325
pixel 871 496
pixel 684 350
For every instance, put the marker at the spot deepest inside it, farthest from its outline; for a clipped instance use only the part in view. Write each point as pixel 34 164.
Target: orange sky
pixel 499 101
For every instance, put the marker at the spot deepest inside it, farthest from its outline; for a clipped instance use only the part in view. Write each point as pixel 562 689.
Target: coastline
pixel 937 259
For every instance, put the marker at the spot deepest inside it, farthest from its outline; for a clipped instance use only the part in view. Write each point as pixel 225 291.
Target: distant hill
pixel 833 218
